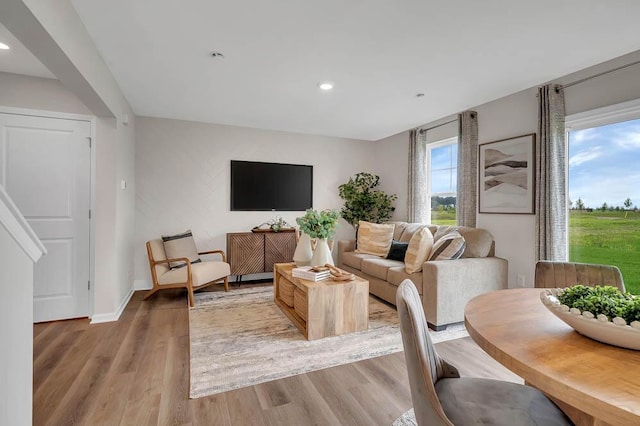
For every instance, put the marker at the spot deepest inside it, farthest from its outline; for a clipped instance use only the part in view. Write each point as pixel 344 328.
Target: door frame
pixel 92 177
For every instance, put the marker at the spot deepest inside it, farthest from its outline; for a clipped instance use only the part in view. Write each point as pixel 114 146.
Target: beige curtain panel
pixel 417 199
pixel 551 186
pixel 467 196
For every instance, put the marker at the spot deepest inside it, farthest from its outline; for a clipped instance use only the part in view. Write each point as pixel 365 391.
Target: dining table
pixel 593 382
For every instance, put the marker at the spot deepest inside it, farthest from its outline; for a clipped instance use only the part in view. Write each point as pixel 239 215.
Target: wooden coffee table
pixel 323 308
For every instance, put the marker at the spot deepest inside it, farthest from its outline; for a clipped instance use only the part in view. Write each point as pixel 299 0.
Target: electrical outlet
pixel 520 279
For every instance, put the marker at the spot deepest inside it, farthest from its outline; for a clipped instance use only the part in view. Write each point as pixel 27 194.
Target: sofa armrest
pixel 447 285
pixel 343 247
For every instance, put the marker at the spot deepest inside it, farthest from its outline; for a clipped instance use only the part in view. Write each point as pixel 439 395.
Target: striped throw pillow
pixel 418 251
pixel 448 247
pixel 374 238
pixel 181 245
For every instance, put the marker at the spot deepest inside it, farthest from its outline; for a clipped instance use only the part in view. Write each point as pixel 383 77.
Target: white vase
pixel 321 254
pixel 302 255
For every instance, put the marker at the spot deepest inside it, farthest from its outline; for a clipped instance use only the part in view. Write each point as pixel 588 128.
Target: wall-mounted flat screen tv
pixel 257 186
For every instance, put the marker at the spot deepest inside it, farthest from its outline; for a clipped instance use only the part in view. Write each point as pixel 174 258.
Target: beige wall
pixel 21 91
pixel 511 116
pixel 183 170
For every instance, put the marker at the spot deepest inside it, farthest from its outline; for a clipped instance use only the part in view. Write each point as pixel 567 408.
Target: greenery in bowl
pixel 605 300
pixel 319 224
pixel 362 201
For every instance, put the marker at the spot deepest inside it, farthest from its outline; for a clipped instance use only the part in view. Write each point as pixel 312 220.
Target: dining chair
pixel 441 397
pixel 565 274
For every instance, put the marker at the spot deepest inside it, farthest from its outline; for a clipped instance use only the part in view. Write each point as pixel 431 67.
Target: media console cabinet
pixel 257 252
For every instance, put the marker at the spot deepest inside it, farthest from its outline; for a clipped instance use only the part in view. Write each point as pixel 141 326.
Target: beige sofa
pixel 445 286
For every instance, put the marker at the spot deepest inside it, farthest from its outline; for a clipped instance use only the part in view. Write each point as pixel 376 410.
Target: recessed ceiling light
pixel 326 85
pixel 4 46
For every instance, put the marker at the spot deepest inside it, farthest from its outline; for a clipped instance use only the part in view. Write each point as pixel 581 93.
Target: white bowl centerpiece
pixel 601 313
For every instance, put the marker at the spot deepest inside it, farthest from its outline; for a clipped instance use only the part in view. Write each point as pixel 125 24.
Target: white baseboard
pixel 112 316
pixel 142 285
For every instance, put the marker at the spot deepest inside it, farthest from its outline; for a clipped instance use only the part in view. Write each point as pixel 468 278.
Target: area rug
pixel 407 419
pixel 241 338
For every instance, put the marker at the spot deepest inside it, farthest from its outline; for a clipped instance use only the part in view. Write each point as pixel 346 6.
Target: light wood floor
pixel 136 372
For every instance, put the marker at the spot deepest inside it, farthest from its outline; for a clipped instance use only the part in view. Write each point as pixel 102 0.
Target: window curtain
pixel 417 199
pixel 551 197
pixel 467 180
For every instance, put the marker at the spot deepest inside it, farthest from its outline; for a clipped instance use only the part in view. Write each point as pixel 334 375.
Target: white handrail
pixel 17 226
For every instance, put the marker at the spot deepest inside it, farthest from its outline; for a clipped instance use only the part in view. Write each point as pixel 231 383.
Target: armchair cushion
pixel 180 245
pixel 201 273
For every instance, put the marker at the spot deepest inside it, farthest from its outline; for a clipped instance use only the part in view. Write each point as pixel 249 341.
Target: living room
pixel 158 175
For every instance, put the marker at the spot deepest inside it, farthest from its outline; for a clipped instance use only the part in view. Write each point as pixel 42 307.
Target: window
pixel 442 164
pixel 604 192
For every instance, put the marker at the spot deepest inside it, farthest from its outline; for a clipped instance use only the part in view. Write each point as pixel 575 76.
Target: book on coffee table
pixel 306 273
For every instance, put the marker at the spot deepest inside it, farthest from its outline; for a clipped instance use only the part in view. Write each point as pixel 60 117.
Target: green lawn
pixel 443 217
pixel 610 238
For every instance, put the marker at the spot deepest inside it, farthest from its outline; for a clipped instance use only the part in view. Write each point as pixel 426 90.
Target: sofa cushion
pixel 397 251
pixel 418 250
pixel 354 260
pixel 479 241
pixel 374 238
pixel 201 273
pixel 409 230
pixel 448 247
pixel 180 245
pixel 378 268
pixel 398 274
pixel 397 229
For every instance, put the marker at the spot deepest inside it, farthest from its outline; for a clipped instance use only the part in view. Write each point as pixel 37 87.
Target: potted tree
pixel 320 225
pixel 362 201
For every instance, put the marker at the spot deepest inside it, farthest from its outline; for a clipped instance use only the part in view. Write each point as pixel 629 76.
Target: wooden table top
pixel 515 328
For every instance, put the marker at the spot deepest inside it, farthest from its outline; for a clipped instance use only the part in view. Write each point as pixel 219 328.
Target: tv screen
pixel 270 186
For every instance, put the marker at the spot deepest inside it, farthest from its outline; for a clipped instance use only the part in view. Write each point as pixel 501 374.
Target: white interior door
pixel 45 166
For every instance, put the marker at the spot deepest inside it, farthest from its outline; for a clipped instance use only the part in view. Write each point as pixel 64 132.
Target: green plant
pixel 605 300
pixel 319 224
pixel 363 202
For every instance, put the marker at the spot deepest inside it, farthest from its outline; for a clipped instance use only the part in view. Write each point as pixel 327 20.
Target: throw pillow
pixel 397 250
pixel 418 251
pixel 374 238
pixel 448 247
pixel 181 245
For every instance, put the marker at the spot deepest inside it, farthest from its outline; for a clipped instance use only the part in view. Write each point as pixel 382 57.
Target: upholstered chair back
pixel 156 248
pixel 424 365
pixel 565 274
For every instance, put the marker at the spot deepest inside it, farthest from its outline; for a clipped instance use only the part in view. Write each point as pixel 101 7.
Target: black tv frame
pixel 290 207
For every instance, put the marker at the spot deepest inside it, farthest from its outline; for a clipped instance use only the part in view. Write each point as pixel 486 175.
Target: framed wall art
pixel 507 175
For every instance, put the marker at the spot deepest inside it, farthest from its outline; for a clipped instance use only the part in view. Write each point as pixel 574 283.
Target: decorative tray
pixel 617 333
pixel 261 230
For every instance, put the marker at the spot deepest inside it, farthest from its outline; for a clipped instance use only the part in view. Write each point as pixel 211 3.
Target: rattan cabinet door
pixel 245 252
pixel 278 248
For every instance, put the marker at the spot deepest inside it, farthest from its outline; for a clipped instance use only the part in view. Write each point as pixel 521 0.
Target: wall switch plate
pixel 123 184
pixel 520 279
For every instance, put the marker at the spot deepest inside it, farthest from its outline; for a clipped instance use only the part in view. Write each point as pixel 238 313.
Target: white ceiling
pixel 379 53
pixel 18 60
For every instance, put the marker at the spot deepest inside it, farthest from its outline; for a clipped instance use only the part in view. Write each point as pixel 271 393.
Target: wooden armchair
pixel 193 276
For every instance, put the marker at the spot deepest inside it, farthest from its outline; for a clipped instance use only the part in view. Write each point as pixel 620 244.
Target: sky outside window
pixel 604 165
